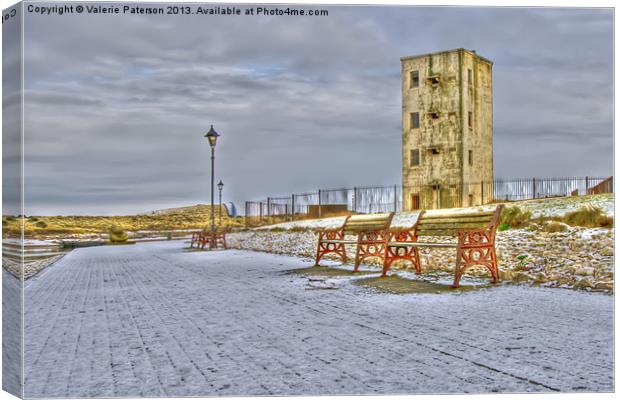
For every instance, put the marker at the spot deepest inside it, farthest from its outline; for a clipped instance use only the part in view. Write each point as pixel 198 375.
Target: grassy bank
pixel 193 217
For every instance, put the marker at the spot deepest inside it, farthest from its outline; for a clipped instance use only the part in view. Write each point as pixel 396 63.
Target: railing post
pixel 292 207
pixel 246 213
pixel 268 207
pixel 533 188
pixel 354 199
pixel 481 192
pixel 319 203
pixel 260 211
pixel 587 185
pixel 395 201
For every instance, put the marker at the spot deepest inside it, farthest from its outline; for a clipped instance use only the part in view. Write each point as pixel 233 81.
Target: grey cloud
pixel 116 106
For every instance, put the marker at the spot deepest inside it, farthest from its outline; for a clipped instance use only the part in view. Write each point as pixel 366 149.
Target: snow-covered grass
pixel 558 206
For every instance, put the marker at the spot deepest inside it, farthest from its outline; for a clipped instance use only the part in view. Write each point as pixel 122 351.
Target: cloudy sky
pixel 116 106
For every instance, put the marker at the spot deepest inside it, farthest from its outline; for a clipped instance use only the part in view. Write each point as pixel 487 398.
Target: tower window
pixel 433 115
pixel 469 76
pixel 414 79
pixel 470 119
pixel 433 151
pixel 415 201
pixel 415 120
pixel 433 80
pixel 414 157
pixel 471 157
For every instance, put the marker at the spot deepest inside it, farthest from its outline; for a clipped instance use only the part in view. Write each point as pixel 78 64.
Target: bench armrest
pixel 476 237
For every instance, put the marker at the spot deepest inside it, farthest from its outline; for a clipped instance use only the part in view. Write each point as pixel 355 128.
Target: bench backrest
pixel 367 222
pixel 449 223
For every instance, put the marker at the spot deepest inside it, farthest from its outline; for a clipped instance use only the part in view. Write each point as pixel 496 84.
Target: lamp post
pixel 220 186
pixel 212 137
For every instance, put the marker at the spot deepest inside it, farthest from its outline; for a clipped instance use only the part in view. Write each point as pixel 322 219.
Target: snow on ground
pixel 156 320
pixel 11 334
pixel 558 206
pixel 579 258
pixel 555 206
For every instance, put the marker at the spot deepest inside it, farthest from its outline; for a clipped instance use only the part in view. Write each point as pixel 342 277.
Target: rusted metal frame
pixel 220 239
pixel 195 239
pixel 394 253
pixel 212 239
pixel 325 247
pixel 407 253
pixel 205 238
pixel 373 243
pixel 477 247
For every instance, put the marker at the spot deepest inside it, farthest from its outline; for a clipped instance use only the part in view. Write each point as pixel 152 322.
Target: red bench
pixel 475 244
pixel 204 237
pixel 371 233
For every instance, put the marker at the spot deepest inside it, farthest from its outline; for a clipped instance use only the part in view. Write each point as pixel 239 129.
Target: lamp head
pixel 212 136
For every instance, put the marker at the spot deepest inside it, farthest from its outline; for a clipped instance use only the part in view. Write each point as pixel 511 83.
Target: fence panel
pixel 377 199
pixel 302 203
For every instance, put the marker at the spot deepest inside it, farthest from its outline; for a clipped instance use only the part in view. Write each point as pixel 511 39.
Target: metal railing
pixel 375 199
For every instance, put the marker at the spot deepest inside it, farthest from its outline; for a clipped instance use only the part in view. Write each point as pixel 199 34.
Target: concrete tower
pixel 447 130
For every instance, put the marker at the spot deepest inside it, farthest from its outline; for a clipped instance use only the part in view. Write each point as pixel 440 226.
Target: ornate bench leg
pixel 402 253
pixel 416 260
pixel 494 266
pixel 469 257
pixel 458 272
pixel 358 258
pixel 387 262
pixel 204 240
pixel 326 248
pixel 318 254
pixel 368 250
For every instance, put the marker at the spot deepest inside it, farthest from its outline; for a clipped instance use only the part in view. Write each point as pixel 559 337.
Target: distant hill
pixel 178 218
pixel 196 209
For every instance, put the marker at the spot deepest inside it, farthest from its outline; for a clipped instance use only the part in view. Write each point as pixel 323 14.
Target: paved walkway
pixel 154 320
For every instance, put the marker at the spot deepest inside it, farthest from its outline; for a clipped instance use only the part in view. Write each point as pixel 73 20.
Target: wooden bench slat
pixel 374 218
pixel 376 223
pixel 451 226
pixel 459 215
pixel 365 226
pixel 448 220
pixel 362 227
pixel 366 223
pixel 436 232
pixel 369 217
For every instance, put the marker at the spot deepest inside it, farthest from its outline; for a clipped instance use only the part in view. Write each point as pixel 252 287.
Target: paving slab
pixel 155 320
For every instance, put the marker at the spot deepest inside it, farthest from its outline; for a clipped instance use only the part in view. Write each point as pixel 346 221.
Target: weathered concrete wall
pixel 445 95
